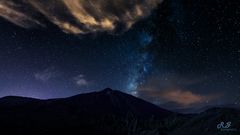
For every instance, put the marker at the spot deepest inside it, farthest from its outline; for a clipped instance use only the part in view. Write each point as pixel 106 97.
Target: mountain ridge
pixel 105 112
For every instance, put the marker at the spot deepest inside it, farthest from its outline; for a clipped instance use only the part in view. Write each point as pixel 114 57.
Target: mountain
pixel 109 112
pixel 206 123
pixel 200 109
pixel 16 101
pixel 105 112
pixel 115 102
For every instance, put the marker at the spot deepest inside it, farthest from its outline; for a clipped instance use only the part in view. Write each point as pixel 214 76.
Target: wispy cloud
pixel 80 80
pixel 46 74
pixel 184 97
pixel 176 89
pixel 77 16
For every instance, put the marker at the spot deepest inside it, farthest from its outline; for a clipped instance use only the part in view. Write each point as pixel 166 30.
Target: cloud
pixel 46 74
pixel 81 81
pixel 19 13
pixel 77 16
pixel 176 89
pixel 182 97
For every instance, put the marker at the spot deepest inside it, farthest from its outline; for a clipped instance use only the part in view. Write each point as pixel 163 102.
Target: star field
pixel 185 53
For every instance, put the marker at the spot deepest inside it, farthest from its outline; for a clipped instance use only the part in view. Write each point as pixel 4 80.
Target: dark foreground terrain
pixel 109 112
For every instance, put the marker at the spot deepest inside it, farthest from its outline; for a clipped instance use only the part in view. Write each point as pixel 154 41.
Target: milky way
pixel 175 53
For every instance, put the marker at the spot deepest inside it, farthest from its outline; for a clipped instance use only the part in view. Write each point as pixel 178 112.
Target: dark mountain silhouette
pixel 107 112
pixel 206 123
pixel 115 102
pixel 15 101
pixel 234 106
pixel 90 113
pixel 202 108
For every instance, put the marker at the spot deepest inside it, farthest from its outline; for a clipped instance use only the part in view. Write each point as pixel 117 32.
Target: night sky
pixel 177 52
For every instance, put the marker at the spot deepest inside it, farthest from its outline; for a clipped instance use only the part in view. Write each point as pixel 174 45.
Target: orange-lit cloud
pixel 183 97
pixel 77 16
pixel 175 89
